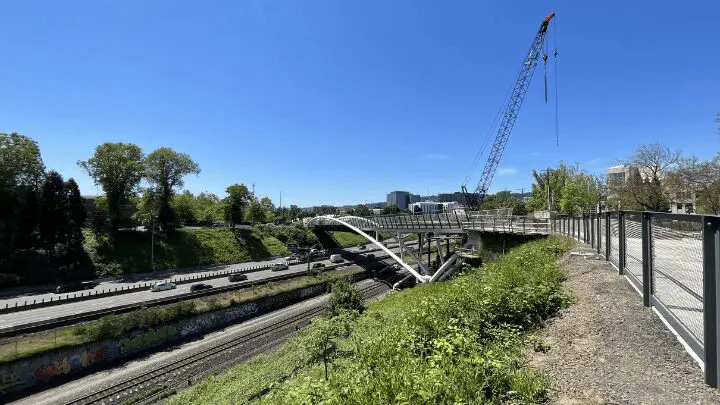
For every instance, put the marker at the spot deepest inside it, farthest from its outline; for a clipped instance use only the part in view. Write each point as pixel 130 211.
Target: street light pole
pixel 152 243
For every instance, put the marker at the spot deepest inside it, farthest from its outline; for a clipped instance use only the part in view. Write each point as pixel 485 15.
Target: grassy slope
pixel 348 239
pixel 453 342
pixel 130 252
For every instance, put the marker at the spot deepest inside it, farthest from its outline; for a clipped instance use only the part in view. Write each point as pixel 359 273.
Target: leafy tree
pixel 183 205
pixel 208 208
pixel 118 169
pixel 53 219
pixel 21 175
pixel 555 181
pixel 269 208
pixel 147 208
pixel 100 218
pixel 362 210
pixel 392 209
pixel 345 297
pixel 504 199
pixel 295 212
pixel 255 212
pixel 320 340
pixel 165 170
pixel 76 212
pixel 238 197
pixel 581 193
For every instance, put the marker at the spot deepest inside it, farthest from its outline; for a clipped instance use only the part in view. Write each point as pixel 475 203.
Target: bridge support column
pixel 428 252
pixel 447 246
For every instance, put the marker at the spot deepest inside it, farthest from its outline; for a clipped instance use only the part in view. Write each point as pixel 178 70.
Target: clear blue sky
pixel 340 102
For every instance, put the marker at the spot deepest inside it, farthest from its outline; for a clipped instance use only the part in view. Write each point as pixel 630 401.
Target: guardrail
pixel 673 260
pixel 520 225
pixel 65 320
pixel 67 298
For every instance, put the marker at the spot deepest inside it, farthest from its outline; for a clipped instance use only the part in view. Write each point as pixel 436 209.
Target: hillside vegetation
pixel 446 343
pixel 130 252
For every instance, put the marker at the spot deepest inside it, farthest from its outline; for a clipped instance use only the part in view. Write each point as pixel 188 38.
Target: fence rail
pixel 673 260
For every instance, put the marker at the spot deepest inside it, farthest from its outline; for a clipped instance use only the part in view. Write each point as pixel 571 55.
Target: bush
pixel 345 297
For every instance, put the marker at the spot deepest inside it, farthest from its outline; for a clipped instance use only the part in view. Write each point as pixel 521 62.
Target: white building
pixel 432 207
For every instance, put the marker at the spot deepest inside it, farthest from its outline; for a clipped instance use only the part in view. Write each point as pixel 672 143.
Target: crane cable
pixel 555 54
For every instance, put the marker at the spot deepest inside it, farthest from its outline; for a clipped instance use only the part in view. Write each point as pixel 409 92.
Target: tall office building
pixel 399 198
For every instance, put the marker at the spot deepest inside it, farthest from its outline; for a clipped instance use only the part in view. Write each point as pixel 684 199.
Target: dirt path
pixel 609 349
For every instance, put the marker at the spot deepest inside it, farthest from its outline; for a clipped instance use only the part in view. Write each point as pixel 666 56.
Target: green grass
pixel 458 342
pixel 115 326
pixel 129 252
pixel 347 239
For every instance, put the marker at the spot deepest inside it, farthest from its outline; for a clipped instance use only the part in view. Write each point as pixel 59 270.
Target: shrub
pixel 345 297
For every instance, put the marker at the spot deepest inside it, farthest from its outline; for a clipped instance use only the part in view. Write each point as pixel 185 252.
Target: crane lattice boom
pixel 510 115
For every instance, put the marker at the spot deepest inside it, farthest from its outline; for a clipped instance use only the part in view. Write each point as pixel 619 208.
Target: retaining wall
pixel 69 363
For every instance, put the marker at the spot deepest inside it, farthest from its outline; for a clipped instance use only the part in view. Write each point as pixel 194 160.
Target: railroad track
pixel 174 374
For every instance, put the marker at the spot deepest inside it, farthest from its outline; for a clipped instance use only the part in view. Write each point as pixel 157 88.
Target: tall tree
pixel 269 208
pixel 21 175
pixel 183 205
pixel 581 193
pixel 255 212
pixel 53 220
pixel 556 183
pixel 75 211
pixel 653 161
pixel 118 169
pixel 504 199
pixel 165 170
pixel 238 197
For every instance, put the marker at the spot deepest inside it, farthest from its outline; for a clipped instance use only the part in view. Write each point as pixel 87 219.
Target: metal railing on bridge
pixel 673 260
pixel 458 220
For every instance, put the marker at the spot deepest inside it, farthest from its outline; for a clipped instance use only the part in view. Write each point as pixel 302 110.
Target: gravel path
pixel 607 348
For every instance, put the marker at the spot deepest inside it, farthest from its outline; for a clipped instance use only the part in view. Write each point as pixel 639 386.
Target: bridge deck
pixel 450 222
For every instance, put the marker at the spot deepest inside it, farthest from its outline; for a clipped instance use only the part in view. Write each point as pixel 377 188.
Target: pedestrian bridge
pixel 460 222
pixel 453 222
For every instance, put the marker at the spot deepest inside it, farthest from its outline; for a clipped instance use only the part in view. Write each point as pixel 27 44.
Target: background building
pixel 399 198
pixel 433 207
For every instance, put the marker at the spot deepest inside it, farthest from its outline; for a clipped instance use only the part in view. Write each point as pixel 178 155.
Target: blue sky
pixel 340 102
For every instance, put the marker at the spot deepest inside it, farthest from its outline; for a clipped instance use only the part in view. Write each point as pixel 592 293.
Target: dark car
pixel 200 286
pixel 318 265
pixel 75 286
pixel 362 247
pixel 237 277
pixel 370 256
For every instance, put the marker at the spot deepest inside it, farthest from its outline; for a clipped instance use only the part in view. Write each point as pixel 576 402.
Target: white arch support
pixel 348 221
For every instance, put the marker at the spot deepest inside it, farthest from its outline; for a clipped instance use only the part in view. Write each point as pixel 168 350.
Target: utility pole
pixel 549 191
pixel 152 243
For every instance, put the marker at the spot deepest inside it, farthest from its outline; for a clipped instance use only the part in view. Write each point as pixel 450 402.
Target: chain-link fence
pixel 673 260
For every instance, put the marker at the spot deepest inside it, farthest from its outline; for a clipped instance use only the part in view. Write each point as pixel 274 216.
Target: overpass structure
pixel 467 225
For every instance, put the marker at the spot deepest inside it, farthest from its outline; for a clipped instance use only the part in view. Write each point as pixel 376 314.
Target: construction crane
pixel 511 109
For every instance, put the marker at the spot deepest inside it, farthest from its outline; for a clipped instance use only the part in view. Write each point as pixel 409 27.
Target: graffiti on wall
pixel 8 381
pixel 209 321
pixel 57 367
pixel 146 339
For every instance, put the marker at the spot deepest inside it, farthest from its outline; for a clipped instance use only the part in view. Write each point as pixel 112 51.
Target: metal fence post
pixel 592 230
pixel 711 303
pixel 598 233
pixel 607 235
pixel 646 257
pixel 621 242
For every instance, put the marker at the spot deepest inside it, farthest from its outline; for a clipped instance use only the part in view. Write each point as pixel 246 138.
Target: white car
pixel 280 266
pixel 162 286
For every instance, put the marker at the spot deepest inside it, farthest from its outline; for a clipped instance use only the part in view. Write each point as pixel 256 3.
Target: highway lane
pixel 76 308
pixel 148 278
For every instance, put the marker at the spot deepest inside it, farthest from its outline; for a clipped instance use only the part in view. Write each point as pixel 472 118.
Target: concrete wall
pixel 64 363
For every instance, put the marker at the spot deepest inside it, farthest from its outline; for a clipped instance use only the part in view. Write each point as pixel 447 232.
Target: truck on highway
pixel 336 258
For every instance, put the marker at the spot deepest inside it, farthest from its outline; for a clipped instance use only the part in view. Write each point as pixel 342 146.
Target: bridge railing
pixel 509 224
pixel 673 260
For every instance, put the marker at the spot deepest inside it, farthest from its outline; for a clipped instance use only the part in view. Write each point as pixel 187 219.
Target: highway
pixel 80 307
pixel 44 293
